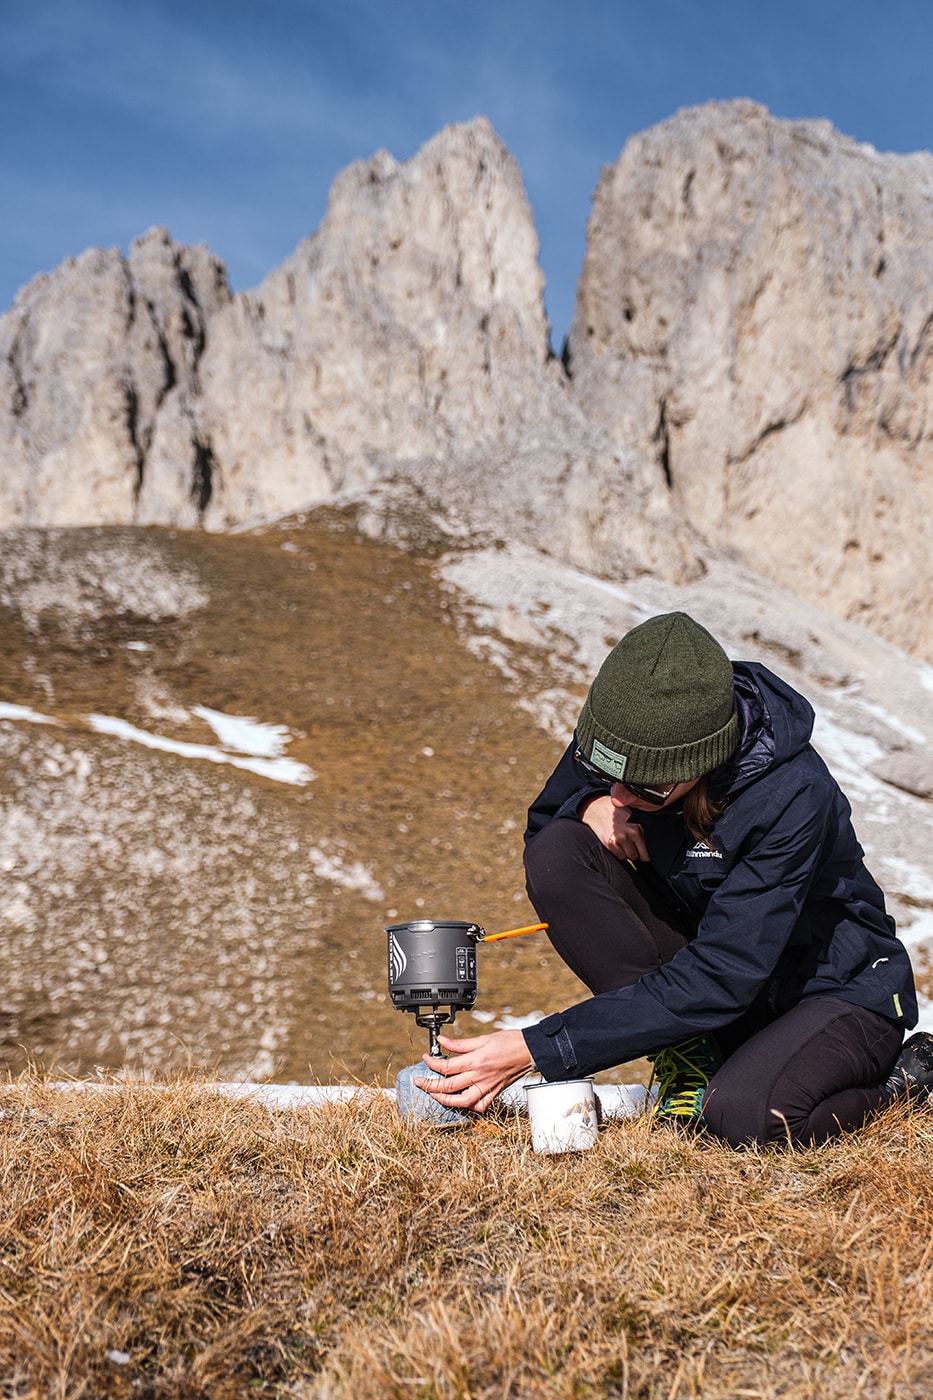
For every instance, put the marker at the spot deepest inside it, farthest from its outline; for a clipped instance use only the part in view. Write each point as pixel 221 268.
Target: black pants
pixel 804 1077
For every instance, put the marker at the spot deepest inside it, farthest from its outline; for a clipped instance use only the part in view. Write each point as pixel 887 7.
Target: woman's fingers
pixel 476 1069
pixel 453 1094
pixel 631 841
pixel 610 821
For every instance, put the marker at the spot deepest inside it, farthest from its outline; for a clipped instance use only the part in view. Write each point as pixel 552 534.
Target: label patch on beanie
pixel 608 760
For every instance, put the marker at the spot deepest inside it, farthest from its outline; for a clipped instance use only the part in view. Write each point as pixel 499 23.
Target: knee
pixel 725 1117
pixel 550 855
pixel 741 1117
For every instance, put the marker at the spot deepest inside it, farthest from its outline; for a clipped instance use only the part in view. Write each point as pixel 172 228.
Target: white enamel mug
pixel 564 1115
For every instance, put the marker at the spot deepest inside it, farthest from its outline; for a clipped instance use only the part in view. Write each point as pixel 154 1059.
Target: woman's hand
pixel 478 1069
pixel 609 818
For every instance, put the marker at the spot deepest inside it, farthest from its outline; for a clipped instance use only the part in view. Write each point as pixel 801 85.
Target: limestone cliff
pixel 407 341
pixel 755 312
pixel 99 393
pixel 411 324
pixel 749 365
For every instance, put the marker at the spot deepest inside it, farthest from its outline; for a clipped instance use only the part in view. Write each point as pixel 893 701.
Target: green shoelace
pixel 682 1074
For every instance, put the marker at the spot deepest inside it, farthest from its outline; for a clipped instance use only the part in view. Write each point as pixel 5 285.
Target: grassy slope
pixel 165 913
pixel 215 1249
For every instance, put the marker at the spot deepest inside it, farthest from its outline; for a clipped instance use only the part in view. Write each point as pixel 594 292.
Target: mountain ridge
pixel 748 376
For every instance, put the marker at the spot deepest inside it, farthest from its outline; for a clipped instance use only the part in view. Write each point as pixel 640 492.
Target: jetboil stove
pixel 432 968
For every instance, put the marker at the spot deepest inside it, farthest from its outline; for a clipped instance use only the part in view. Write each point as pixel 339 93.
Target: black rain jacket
pixel 781 902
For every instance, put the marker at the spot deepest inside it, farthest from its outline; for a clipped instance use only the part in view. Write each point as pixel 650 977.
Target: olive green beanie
pixel 662 706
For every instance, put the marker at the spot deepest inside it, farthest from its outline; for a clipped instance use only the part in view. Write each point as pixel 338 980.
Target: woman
pixel 696 864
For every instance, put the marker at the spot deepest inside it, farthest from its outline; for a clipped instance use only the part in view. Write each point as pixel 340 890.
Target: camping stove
pixel 432 964
pixel 432 970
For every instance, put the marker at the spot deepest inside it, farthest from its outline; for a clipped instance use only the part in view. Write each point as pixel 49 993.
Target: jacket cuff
pixel 551 1048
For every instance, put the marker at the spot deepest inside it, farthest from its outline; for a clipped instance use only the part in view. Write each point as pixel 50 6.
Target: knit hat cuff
pixel 654 766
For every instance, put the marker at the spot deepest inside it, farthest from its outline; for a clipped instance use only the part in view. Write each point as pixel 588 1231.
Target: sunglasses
pixel 656 796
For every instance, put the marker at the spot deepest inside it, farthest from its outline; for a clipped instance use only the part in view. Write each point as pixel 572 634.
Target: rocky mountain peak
pixel 749 365
pixel 755 313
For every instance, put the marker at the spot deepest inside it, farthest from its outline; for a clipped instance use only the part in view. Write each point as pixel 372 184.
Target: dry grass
pixel 170 1242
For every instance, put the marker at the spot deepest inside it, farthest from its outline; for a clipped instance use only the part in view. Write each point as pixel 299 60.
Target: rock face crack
pixel 875 361
pixel 854 373
pixel 923 346
pixel 131 399
pixel 193 327
pixel 202 476
pixel 662 438
pixel 170 375
pixel 20 397
pixel 777 425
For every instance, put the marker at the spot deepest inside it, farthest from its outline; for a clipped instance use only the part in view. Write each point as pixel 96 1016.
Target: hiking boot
pixel 682 1073
pixel 912 1075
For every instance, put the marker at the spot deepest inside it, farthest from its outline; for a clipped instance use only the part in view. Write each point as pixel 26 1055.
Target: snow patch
pixel 281 770
pixel 912 882
pixel 518 1023
pixel 616 1100
pixel 23 712
pixel 244 734
pixel 256 748
pixel 916 736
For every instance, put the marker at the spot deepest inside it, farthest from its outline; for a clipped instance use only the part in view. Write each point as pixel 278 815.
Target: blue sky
pixel 228 122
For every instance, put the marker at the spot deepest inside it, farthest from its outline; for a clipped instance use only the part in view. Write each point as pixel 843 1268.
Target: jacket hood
pixel 776 723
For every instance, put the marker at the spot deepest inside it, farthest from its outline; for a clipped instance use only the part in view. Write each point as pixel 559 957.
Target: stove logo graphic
pixel 397 959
